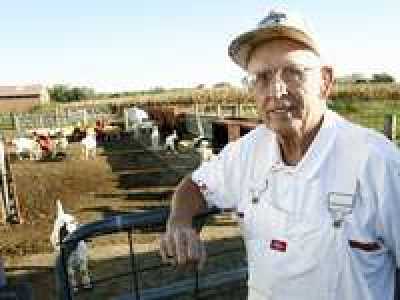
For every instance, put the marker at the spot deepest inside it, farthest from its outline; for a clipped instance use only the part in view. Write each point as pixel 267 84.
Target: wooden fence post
pixel 4 192
pixel 3 279
pixel 234 109
pixel 239 110
pixel 85 117
pixel 389 127
pixel 13 118
pixel 219 112
pixel 126 119
pixel 17 124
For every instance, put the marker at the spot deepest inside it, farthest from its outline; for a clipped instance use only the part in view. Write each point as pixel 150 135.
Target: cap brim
pixel 241 47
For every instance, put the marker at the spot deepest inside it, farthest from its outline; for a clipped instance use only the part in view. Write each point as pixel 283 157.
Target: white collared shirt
pixel 293 250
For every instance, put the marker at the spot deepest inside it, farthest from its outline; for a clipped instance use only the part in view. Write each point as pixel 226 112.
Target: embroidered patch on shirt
pixel 278 245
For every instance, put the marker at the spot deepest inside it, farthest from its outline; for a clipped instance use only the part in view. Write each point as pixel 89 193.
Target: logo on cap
pixel 274 18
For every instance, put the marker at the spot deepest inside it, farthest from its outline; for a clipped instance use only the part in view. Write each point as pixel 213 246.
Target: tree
pixel 382 77
pixel 200 86
pixel 59 93
pixel 64 93
pixel 157 90
pixel 222 85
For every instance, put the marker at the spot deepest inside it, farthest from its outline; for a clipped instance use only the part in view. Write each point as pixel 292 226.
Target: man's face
pixel 289 85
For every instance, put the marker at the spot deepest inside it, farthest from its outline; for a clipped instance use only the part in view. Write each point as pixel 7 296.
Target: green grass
pixel 367 113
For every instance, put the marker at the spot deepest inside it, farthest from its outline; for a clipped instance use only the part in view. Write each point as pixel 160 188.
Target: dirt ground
pixel 124 177
pixel 88 189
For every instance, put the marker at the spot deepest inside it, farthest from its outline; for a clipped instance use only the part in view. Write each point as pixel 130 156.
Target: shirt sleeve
pixel 390 208
pixel 218 179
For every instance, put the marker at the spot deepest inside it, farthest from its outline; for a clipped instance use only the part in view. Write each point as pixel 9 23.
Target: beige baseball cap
pixel 277 24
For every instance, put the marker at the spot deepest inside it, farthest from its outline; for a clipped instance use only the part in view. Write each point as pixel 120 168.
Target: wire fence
pixel 374 117
pixel 57 119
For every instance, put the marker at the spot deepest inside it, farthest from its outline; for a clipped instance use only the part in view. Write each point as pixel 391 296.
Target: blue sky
pixel 126 45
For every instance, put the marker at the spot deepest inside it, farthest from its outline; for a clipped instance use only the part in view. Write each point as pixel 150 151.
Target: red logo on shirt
pixel 278 245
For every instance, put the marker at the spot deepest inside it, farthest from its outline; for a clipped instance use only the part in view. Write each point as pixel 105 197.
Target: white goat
pixel 170 141
pixel 27 146
pixel 135 117
pixel 200 128
pixel 155 138
pixel 78 260
pixel 89 146
pixel 205 151
pixel 61 145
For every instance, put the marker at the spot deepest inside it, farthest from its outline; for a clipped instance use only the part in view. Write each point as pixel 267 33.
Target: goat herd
pixel 43 143
pixel 52 143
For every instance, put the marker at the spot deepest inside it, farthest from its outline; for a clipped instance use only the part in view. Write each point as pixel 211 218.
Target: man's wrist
pixel 176 219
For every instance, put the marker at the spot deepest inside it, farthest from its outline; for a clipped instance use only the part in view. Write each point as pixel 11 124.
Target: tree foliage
pixel 382 77
pixel 65 93
pixel 222 84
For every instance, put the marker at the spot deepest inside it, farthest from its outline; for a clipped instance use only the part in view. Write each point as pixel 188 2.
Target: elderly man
pixel 315 195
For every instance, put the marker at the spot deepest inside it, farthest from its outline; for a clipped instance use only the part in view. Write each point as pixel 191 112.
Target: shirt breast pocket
pixel 366 250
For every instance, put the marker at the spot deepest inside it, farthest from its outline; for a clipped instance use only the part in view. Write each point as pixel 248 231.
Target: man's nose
pixel 277 87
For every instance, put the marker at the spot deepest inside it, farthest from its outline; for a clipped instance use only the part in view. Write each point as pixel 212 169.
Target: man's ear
pixel 327 81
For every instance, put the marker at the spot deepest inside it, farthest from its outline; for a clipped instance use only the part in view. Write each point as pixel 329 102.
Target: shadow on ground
pixel 224 255
pixel 139 168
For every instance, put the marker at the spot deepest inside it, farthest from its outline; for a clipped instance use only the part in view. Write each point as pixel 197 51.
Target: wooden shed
pixel 22 98
pixel 228 130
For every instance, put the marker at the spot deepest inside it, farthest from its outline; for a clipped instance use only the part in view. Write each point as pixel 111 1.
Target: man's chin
pixel 282 127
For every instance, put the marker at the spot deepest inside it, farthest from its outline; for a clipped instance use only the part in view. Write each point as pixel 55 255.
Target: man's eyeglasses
pixel 290 74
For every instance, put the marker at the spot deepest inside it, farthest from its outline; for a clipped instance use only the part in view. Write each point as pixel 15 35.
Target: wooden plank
pixel 9 188
pixel 3 212
pixel 228 130
pixel 233 132
pixel 3 182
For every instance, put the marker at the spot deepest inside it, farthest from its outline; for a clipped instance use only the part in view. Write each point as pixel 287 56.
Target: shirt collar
pixel 316 153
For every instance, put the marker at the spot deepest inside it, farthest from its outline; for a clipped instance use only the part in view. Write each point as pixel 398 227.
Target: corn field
pixel 227 94
pixel 369 91
pixel 341 91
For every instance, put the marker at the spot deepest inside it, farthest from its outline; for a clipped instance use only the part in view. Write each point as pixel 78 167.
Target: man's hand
pixel 181 244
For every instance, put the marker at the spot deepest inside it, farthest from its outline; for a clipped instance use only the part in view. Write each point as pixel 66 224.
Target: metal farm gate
pixel 195 286
pixel 9 205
